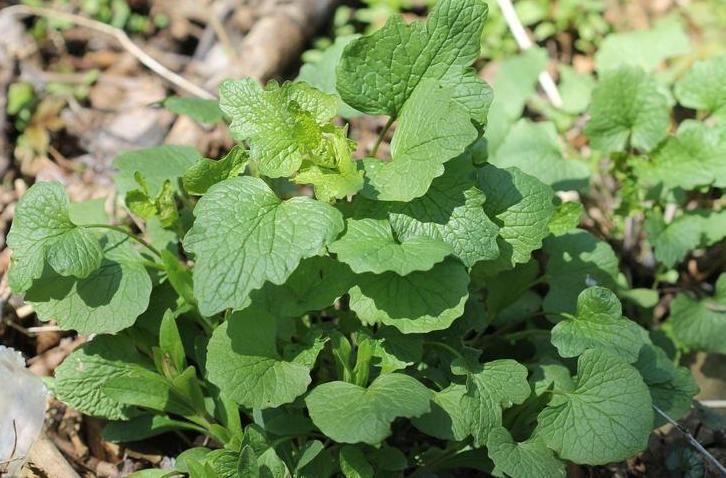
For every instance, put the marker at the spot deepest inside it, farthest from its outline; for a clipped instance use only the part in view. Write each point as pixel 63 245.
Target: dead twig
pixel 120 36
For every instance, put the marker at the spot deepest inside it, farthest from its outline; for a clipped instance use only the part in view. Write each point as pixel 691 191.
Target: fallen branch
pixel 120 36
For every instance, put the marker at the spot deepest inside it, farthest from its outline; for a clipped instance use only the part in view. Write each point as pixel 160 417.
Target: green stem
pixel 382 135
pixel 446 347
pixel 124 231
pixel 514 336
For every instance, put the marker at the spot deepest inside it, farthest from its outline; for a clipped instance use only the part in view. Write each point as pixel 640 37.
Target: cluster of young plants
pixel 415 315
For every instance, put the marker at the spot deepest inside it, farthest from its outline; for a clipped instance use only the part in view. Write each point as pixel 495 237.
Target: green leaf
pixel 170 342
pixel 369 245
pixel 42 230
pixel 205 173
pixel 419 302
pixel 491 387
pixel 354 464
pixel 348 413
pixel 702 89
pixel 627 108
pixel 243 361
pixel 690 159
pixel 283 124
pixel 433 128
pixel 315 284
pixel 147 389
pixel 534 149
pixel 599 324
pixel 156 165
pixel 247 465
pixel 606 418
pixel 448 418
pixel 701 324
pixel 393 350
pixel 642 48
pixel 566 218
pixel 90 211
pixel 199 109
pixel 577 260
pixel 672 388
pixel 244 236
pixel 107 301
pixel 79 380
pixel 321 73
pixel 379 72
pixel 451 211
pixel 527 459
pixel 689 231
pixel 521 206
pixel 143 427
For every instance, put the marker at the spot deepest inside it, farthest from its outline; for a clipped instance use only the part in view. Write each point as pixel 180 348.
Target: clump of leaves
pixel 384 326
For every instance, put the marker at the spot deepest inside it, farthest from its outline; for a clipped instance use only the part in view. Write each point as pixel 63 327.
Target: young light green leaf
pixel 577 260
pixel 170 342
pixel 491 387
pixel 528 459
pixel 599 324
pixel 348 413
pixel 198 109
pixel 521 206
pixel 42 231
pixel 672 388
pixel 283 124
pixel 689 231
pixel 642 48
pixel 432 129
pixel 701 324
pixel 321 74
pixel 80 378
pixel 147 389
pixel 107 301
pixel 606 418
pixel 702 89
pixel 566 218
pixel 533 148
pixel 247 466
pixel 354 464
pixel 243 361
pixel 369 245
pixel 448 418
pixel 244 236
pixel 156 165
pixel 417 303
pixel 205 173
pixel 690 159
pixel 451 211
pixel 627 108
pixel 379 72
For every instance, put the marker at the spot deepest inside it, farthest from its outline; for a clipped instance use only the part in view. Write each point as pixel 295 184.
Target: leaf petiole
pixel 123 230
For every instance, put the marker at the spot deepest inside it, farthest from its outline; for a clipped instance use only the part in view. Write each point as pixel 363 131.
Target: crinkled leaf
pixel 599 324
pixel 528 459
pixel 42 231
pixel 379 72
pixel 107 301
pixel 205 173
pixel 348 413
pixel 80 378
pixel 315 284
pixel 451 211
pixel 566 218
pixel 432 129
pixel 533 148
pixel 672 388
pixel 283 124
pixel 521 206
pixel 577 260
pixel 243 361
pixel 321 73
pixel 244 236
pixel 419 302
pixel 606 418
pixel 692 158
pixel 156 165
pixel 702 87
pixel 491 387
pixel 369 245
pixel 701 324
pixel 627 108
